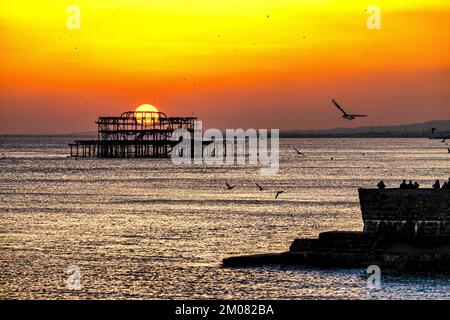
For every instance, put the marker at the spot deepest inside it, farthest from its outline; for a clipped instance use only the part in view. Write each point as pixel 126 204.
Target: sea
pixel 152 229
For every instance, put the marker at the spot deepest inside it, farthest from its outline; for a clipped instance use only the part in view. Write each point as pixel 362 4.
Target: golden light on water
pixel 146 114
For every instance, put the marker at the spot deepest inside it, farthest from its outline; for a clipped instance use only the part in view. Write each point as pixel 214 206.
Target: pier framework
pixel 133 135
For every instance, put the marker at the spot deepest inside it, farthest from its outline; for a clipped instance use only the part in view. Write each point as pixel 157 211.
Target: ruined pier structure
pixel 405 230
pixel 133 135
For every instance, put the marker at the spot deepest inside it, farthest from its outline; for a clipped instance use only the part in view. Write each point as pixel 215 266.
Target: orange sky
pixel 233 63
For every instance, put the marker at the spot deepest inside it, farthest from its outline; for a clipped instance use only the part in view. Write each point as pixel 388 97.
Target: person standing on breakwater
pixel 410 185
pixel 437 185
pixel 446 185
pixel 381 185
pixel 403 185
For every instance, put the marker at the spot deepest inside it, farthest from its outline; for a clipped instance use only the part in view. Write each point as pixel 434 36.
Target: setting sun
pixel 146 114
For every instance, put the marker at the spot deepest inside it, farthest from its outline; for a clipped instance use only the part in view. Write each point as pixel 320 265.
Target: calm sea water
pixel 150 229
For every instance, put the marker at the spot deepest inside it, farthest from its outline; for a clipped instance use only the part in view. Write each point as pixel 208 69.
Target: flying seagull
pixel 229 187
pixel 345 114
pixel 278 193
pixel 260 188
pixel 298 151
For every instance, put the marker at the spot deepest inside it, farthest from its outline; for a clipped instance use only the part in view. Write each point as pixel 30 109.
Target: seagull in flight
pixel 260 188
pixel 229 187
pixel 298 151
pixel 346 115
pixel 278 193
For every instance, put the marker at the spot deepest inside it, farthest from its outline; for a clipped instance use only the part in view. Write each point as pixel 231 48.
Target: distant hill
pixel 417 130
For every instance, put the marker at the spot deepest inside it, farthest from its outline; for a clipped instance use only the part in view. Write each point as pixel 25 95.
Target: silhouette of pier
pixel 134 135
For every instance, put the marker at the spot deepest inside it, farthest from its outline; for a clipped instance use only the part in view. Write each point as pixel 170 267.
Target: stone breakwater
pixel 404 230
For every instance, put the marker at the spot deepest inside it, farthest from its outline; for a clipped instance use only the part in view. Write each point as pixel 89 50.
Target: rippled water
pixel 150 229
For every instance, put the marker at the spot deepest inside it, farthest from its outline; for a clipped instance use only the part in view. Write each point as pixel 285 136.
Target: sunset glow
pixel 230 62
pixel 235 158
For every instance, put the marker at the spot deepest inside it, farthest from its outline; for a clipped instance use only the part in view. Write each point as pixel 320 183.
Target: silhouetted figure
pixel 410 185
pixel 437 185
pixel 416 185
pixel 381 185
pixel 403 185
pixel 445 185
pixel 448 149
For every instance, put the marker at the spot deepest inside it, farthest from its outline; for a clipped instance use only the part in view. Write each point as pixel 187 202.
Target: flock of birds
pixel 229 187
pixel 345 115
pixel 348 116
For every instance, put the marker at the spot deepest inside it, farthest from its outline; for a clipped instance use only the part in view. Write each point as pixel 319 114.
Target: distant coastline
pixel 416 130
pixel 386 134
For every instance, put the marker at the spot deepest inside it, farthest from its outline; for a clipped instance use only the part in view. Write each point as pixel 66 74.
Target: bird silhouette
pixel 229 187
pixel 278 193
pixel 346 115
pixel 298 151
pixel 260 188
